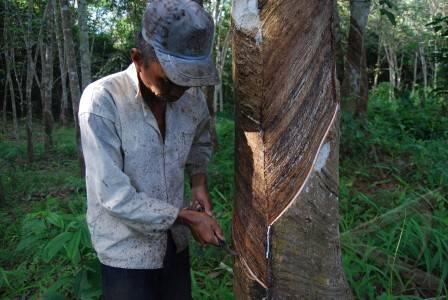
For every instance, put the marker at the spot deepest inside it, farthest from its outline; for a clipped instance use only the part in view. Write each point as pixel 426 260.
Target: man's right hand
pixel 204 228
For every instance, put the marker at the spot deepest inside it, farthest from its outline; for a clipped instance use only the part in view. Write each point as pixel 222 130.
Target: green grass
pixel 390 166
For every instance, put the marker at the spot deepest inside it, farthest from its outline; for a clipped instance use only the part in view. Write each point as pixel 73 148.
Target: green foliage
pixel 440 27
pixel 388 164
pixel 395 160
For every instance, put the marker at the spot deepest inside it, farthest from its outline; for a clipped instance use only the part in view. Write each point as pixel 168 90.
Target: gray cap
pixel 181 32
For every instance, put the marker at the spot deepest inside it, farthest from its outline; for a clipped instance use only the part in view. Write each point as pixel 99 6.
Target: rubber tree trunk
pixel 29 83
pixel 47 78
pixel 424 71
pixel 355 88
pixel 70 58
pixel 62 66
pixel 285 222
pixel 9 50
pixel 84 44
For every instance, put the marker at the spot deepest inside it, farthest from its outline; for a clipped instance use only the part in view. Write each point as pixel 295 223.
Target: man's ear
pixel 136 58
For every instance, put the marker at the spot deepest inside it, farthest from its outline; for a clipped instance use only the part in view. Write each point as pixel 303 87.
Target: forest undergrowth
pixel 393 207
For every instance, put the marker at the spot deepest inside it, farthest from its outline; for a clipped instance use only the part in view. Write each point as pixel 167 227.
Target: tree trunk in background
pixel 9 49
pixel 47 77
pixel 18 80
pixel 84 44
pixel 424 70
pixel 377 70
pixel 29 83
pixel 391 57
pixel 209 92
pixel 62 65
pixel 12 95
pixel 5 102
pixel 355 88
pixel 209 95
pixel 338 44
pixel 414 77
pixel 70 58
pixel 285 222
pixel 436 65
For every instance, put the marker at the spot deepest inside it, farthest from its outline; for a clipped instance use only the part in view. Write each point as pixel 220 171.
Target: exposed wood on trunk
pixel 285 224
pixel 84 43
pixel 70 58
pixel 62 66
pixel 355 87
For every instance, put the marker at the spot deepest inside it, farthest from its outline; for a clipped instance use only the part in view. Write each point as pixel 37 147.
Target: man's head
pixel 174 47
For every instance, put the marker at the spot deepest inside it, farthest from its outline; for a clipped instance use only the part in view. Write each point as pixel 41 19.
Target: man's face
pixel 154 78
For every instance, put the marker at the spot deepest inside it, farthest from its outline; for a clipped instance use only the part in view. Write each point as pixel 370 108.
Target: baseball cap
pixel 181 33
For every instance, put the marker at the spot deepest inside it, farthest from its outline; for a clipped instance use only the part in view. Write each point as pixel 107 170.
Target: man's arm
pixel 198 160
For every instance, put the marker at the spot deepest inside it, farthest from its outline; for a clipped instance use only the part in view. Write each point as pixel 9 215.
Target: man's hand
pixel 204 228
pixel 200 199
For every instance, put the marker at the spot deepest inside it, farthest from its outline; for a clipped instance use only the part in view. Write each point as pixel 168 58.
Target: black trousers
pixel 172 282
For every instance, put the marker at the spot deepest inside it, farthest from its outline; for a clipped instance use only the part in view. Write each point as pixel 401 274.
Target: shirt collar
pixel 131 71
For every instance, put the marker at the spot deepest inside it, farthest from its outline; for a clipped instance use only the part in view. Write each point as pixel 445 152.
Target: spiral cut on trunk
pixel 285 223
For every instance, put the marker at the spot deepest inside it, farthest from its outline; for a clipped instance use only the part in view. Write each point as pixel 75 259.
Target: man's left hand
pixel 200 200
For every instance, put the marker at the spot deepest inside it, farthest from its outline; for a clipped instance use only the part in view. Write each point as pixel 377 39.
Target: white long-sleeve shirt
pixel 135 178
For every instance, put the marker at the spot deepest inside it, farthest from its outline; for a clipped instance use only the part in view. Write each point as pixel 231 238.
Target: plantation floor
pixel 393 206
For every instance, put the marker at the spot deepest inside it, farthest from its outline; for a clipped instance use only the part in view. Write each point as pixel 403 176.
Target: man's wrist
pixel 185 216
pixel 197 180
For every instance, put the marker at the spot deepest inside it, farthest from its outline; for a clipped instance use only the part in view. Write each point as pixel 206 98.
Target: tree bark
pixel 285 222
pixel 8 51
pixel 70 58
pixel 29 83
pixel 377 70
pixel 12 95
pixel 4 106
pixel 47 78
pixel 424 70
pixel 391 57
pixel 18 80
pixel 62 66
pixel 84 44
pixel 414 77
pixel 338 44
pixel 355 88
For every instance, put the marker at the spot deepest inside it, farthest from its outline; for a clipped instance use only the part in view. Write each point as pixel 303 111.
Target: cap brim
pixel 188 72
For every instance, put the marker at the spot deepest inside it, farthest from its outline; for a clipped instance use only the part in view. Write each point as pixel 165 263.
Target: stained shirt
pixel 134 177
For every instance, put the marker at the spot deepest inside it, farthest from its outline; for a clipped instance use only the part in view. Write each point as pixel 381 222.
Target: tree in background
pixel 46 84
pixel 84 43
pixel 70 59
pixel 355 87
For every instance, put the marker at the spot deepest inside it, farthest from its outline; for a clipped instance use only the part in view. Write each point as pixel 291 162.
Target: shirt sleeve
pixel 201 148
pixel 111 186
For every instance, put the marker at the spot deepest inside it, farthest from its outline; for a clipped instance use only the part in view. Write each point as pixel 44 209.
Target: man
pixel 140 129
